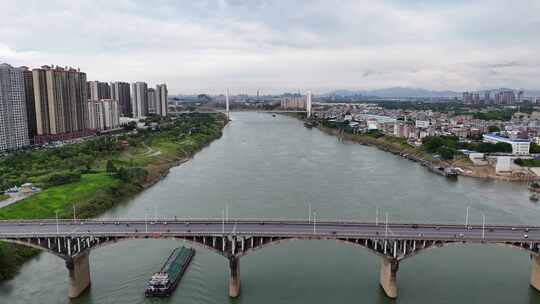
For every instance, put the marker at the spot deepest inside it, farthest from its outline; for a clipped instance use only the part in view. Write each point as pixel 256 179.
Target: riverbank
pixel 399 146
pixel 113 178
pixel 393 145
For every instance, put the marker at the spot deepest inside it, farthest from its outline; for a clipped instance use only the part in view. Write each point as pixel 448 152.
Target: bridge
pixel 72 240
pixel 276 111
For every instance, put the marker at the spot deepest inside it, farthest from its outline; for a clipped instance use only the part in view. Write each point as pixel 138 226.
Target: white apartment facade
pixel 139 99
pixel 13 119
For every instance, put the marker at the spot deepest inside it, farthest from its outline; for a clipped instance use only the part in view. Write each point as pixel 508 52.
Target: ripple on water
pixel 266 166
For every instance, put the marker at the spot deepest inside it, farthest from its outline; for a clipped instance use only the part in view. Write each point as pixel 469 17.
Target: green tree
pixel 60 178
pixel 432 144
pixel 534 148
pixel 110 167
pixel 446 153
pixel 132 125
pixel 503 147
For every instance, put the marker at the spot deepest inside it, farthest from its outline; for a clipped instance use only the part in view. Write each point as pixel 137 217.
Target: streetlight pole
pixel 314 222
pixel 146 220
pixel 377 216
pixel 57 226
pixel 309 220
pixel 467 218
pixel 227 212
pixel 223 221
pixel 386 227
pixel 74 217
pixel 483 226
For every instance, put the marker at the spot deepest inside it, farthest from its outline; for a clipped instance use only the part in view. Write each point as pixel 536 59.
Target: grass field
pixel 95 193
pixel 45 203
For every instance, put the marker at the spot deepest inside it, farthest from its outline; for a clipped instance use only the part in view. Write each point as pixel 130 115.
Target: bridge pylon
pixel 79 274
pixel 234 276
pixel 388 276
pixel 535 271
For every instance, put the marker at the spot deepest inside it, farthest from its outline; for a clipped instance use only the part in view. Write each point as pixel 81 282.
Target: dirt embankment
pixel 394 147
pixel 414 154
pixel 488 171
pixel 160 169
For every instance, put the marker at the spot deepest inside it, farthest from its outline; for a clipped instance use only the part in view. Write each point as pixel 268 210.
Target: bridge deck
pixel 273 228
pixel 72 240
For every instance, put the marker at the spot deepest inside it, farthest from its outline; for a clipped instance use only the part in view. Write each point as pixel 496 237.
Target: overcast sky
pixel 206 46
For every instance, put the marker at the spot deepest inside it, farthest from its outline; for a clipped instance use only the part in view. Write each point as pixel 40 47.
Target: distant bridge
pixel 254 110
pixel 72 240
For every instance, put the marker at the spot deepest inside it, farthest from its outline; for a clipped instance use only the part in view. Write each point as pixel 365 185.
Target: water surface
pixel 265 167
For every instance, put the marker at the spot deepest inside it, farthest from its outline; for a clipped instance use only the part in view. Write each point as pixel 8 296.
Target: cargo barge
pixel 448 172
pixel 164 282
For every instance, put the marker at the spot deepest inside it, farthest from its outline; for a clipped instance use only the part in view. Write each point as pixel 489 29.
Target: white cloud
pixel 207 46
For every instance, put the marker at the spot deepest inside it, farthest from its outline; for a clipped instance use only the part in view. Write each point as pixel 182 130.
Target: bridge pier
pixel 535 271
pixel 234 277
pixel 388 276
pixel 79 274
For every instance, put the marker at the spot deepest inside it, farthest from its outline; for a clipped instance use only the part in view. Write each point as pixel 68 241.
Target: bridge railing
pixel 229 221
pixel 477 238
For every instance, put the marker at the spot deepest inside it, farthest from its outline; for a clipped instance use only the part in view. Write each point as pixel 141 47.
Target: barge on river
pixel 164 282
pixel 444 171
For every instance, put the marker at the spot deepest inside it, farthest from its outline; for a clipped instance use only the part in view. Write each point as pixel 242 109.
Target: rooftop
pixel 497 137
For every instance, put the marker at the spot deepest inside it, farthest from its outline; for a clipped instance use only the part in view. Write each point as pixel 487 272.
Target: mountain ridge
pixel 416 92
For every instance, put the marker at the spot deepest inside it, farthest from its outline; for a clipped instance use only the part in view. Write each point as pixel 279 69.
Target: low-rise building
pixel 372 124
pixel 519 146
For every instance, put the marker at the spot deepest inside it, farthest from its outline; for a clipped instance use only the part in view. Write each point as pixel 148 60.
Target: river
pixel 269 167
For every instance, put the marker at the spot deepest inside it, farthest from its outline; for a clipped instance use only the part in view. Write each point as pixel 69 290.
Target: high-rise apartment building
pixel 139 98
pixel 467 98
pixel 13 120
pixel 103 114
pixel 505 97
pixel 152 101
pixel 111 113
pixel 30 104
pixel 95 115
pixel 98 90
pixel 520 96
pixel 120 91
pixel 487 97
pixel 162 106
pixel 60 103
pixel 476 98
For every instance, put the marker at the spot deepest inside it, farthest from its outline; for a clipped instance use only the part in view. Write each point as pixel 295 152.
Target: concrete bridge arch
pixel 237 238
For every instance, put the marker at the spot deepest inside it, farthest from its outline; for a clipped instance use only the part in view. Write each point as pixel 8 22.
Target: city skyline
pixel 250 45
pixel 53 103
